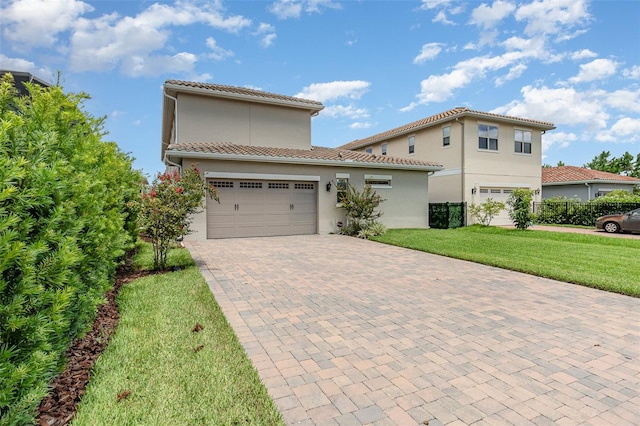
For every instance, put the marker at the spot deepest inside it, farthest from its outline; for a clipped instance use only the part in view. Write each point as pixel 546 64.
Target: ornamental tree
pixel 168 206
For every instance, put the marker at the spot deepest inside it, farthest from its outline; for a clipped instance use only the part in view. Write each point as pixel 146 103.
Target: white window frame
pixel 378 181
pixel 446 138
pixel 489 138
pixel 384 149
pixel 341 178
pixel 522 142
pixel 412 144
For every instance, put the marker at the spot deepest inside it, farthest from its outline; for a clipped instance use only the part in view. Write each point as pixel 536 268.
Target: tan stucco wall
pixel 406 204
pixel 206 119
pixel 466 166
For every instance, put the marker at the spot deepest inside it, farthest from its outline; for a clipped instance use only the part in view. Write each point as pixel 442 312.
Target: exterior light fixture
pixel 328 186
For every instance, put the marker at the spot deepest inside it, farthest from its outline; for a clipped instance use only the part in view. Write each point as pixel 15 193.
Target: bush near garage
pixel 67 216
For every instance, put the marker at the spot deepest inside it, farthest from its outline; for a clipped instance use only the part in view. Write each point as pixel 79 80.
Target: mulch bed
pixel 59 407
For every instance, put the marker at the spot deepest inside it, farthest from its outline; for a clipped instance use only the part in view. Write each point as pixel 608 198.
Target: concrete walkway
pixel 351 332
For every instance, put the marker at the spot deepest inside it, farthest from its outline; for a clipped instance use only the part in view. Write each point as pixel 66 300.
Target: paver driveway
pixel 349 332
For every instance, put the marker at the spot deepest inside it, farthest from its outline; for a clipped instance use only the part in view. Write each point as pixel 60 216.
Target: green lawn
pixel 611 264
pixel 175 376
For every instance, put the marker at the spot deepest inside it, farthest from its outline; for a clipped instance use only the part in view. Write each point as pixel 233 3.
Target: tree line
pixel 625 165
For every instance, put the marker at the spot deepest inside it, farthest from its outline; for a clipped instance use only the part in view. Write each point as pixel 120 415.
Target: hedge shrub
pixel 67 216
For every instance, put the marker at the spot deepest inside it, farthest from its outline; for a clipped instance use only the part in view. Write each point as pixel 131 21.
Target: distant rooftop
pixel 568 174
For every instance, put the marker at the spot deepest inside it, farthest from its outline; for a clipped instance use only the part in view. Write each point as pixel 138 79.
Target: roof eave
pixel 307 161
pixel 591 181
pixel 177 88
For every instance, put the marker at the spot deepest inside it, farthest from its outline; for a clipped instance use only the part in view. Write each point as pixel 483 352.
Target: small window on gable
pixel 446 136
pixel 369 150
pixel 522 141
pixel 384 149
pixel 412 144
pixel 378 181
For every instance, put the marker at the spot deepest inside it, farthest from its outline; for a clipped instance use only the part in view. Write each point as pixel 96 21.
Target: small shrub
pixel 485 212
pixel 520 212
pixel 373 230
pixel 360 209
pixel 167 207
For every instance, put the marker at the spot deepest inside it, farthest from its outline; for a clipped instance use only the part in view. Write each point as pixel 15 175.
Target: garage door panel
pixel 501 195
pixel 262 208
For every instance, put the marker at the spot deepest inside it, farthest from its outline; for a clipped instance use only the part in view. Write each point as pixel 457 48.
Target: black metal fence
pixel 577 213
pixel 447 215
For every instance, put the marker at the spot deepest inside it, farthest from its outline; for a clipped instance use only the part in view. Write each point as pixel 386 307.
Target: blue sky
pixel 374 64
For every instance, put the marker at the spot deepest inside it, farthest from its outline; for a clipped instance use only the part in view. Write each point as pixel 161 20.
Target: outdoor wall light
pixel 537 191
pixel 473 190
pixel 328 186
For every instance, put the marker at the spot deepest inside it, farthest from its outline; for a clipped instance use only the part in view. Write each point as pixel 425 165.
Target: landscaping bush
pixel 565 211
pixel 67 216
pixel 485 212
pixel 361 212
pixel 520 212
pixel 168 206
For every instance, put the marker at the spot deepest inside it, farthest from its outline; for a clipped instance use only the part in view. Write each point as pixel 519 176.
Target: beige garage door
pixel 261 208
pixel 497 194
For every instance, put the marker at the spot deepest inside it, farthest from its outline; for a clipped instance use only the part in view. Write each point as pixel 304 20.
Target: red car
pixel 626 222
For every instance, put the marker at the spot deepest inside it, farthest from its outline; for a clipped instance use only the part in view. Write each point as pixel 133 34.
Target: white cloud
pixel 595 70
pixel 34 23
pixel 18 64
pixel 429 51
pixel 487 17
pixel 553 16
pixel 583 54
pixel 561 139
pixel 288 9
pixel 268 33
pixel 623 100
pixel 348 111
pixel 626 129
pixel 441 17
pixel 632 73
pixel 360 125
pixel 514 72
pixel 432 4
pixel 324 92
pixel 218 53
pixel 130 43
pixel 561 106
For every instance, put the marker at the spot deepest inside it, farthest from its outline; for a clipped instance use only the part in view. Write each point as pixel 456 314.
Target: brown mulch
pixel 59 407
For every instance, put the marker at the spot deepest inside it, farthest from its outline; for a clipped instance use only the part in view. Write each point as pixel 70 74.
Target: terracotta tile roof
pixel 244 92
pixel 315 153
pixel 446 115
pixel 580 174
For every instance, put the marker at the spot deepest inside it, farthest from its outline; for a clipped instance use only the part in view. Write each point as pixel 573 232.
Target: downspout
pixel 462 171
pixel 588 191
pixel 175 130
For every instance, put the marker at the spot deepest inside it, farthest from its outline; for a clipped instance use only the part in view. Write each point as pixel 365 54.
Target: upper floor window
pixel 446 136
pixel 523 141
pixel 412 146
pixel 384 149
pixel 488 137
pixel 369 150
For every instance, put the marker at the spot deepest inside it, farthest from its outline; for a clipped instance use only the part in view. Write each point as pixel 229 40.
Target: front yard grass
pixel 157 371
pixel 611 264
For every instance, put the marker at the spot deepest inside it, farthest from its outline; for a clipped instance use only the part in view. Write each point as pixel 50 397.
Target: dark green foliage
pixel 626 164
pixel 520 212
pixel 66 202
pixel 560 210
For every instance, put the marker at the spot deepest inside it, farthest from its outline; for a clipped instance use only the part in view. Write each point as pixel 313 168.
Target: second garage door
pixel 260 208
pixel 497 194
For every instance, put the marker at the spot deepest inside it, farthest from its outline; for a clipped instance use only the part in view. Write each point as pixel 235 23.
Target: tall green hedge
pixel 66 219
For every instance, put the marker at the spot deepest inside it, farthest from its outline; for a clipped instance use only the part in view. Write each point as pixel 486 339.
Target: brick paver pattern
pixel 350 332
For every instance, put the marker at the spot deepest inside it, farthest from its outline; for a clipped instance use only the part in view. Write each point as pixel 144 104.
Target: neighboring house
pixel 255 148
pixel 484 155
pixel 21 77
pixel 584 184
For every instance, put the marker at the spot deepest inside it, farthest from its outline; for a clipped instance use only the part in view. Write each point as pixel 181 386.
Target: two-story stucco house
pixel 484 155
pixel 255 148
